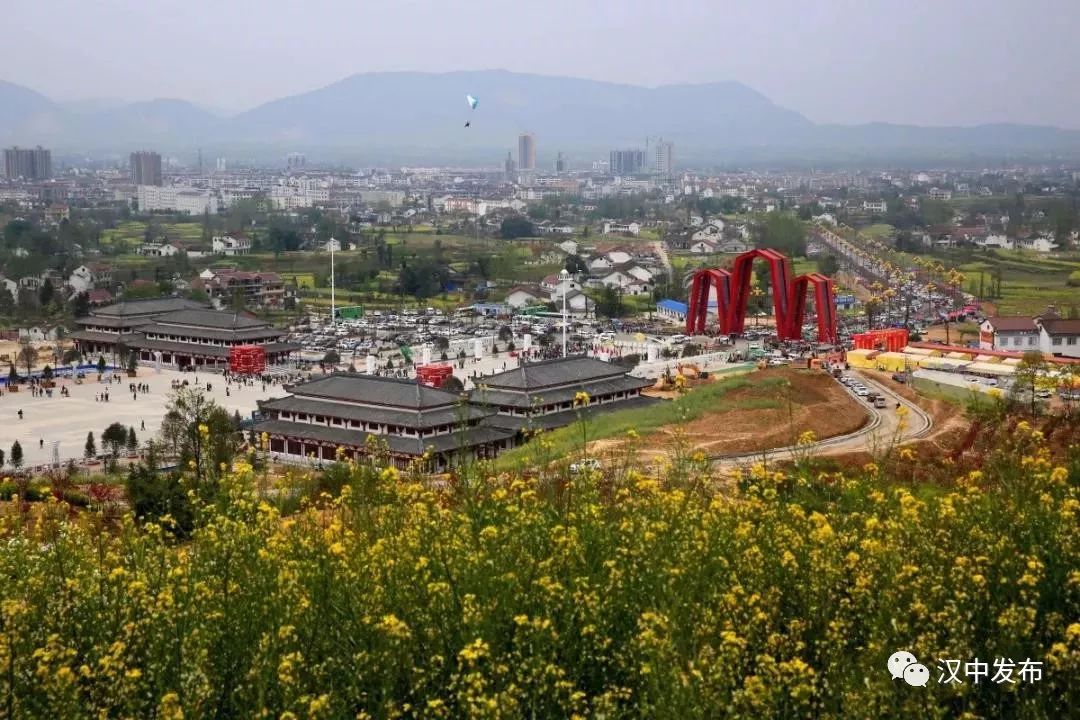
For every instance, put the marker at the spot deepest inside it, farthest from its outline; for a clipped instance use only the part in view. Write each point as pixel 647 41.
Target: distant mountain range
pixel 409 116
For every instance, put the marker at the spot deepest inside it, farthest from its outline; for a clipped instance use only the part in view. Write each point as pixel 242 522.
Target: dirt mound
pixel 762 416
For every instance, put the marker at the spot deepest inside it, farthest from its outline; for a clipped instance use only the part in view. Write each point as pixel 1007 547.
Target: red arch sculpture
pixel 789 297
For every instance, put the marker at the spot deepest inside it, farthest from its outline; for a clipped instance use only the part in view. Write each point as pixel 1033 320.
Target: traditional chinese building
pixel 541 395
pixel 176 332
pixel 366 414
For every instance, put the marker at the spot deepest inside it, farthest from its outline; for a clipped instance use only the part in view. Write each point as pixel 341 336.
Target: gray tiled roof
pixel 101 337
pixel 150 306
pixel 114 321
pixel 407 418
pixel 395 443
pixel 210 319
pixel 374 390
pixel 553 373
pixel 523 399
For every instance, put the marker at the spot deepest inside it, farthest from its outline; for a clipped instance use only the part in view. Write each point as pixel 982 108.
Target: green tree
pixel 516 226
pixel 13 375
pixel 828 265
pixel 154 494
pixel 332 357
pixel 114 438
pixel 101 364
pixel 46 293
pixel 1028 379
pixel 575 265
pixel 201 434
pixel 610 302
pixel 782 232
pixel 872 308
pixel 29 356
pixel 90 448
pixel 16 455
pixel 132 440
pixel 935 212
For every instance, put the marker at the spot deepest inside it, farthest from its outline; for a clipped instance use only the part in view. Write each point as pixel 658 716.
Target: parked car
pixel 899 377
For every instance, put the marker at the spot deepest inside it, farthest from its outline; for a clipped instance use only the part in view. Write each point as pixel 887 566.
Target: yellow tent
pixel 892 362
pixel 861 358
pixel 943 363
pixel 990 368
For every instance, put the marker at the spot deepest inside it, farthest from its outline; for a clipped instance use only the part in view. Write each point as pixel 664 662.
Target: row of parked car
pixel 856 386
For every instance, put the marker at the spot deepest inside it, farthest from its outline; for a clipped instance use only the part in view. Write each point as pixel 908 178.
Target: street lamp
pixel 333 309
pixel 564 274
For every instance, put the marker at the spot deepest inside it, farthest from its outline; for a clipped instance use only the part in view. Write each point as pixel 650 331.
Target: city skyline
pixel 882 62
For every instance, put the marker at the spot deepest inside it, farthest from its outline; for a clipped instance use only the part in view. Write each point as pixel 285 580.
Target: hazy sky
pixel 918 61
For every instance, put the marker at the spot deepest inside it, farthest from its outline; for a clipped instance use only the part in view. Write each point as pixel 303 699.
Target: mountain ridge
pixel 405 112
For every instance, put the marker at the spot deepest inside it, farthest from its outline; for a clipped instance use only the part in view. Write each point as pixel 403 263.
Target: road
pixel 880 432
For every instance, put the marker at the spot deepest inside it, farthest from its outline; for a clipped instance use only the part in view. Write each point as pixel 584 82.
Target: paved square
pixel 68 419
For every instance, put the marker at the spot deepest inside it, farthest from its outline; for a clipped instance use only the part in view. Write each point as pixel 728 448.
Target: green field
pixel 1030 281
pixel 878 231
pixel 127 236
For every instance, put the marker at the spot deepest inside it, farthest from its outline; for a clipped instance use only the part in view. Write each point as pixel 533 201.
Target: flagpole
pixel 333 312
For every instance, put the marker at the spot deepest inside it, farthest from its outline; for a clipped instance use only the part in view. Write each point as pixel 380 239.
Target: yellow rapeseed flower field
pixel 684 595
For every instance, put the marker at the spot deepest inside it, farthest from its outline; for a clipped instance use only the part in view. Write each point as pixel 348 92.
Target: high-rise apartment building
pixel 295 161
pixel 560 164
pixel 27 163
pixel 527 151
pixel 626 162
pixel 509 166
pixel 664 158
pixel 146 168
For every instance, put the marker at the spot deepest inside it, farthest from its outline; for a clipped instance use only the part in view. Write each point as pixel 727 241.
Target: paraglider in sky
pixel 473 102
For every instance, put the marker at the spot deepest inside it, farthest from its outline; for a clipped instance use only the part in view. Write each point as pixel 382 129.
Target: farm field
pixel 1029 282
pixel 127 236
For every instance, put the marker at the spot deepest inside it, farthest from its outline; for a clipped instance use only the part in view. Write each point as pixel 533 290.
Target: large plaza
pixel 67 420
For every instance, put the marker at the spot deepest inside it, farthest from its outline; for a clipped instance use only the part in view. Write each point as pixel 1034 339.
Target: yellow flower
pixel 581 398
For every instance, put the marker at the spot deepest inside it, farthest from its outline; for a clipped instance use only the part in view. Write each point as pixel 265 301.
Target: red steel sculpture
pixel 789 297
